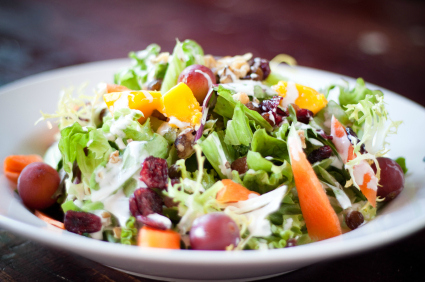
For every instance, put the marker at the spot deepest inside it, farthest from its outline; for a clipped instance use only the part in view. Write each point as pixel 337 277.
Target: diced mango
pixel 180 103
pixel 144 101
pixel 308 98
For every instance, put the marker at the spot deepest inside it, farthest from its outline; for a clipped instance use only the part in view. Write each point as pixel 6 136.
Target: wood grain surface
pixel 381 41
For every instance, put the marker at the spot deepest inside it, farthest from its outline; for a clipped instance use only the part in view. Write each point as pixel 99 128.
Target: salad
pixel 190 151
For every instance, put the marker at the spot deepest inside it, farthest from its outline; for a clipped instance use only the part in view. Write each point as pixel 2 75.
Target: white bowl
pixel 20 105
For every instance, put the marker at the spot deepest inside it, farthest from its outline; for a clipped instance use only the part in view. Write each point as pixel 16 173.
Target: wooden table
pixel 381 41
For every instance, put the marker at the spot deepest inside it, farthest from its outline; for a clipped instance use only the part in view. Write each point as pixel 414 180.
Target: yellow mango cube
pixel 144 101
pixel 308 98
pixel 180 103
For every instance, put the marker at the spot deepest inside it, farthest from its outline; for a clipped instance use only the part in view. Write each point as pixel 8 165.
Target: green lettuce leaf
pixel 129 232
pixel 88 147
pixel 402 163
pixel 137 75
pixel 238 131
pixel 267 146
pixel 355 95
pixel 225 107
pixel 323 118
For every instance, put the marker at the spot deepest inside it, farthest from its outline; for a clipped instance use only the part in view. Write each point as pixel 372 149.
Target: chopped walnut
pixel 114 157
pixel 302 137
pixel 210 62
pixel 242 97
pixel 117 232
pixel 225 76
pixel 239 67
pixel 161 58
pixel 106 214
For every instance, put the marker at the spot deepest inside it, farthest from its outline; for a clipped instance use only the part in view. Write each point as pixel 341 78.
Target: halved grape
pixel 214 231
pixel 199 78
pixel 392 179
pixel 37 184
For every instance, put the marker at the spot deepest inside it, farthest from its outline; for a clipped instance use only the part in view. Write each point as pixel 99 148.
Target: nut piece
pixel 210 62
pixel 114 157
pixel 184 143
pixel 302 137
pixel 242 97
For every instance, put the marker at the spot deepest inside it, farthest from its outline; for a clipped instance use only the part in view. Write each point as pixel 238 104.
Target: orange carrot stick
pixel 155 238
pixel 233 192
pixel 14 164
pixel 49 220
pixel 320 218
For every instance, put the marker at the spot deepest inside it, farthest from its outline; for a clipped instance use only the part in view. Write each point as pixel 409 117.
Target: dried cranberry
pixel 320 154
pixel 254 107
pixel 154 172
pixel 240 165
pixel 82 222
pixel 324 135
pixel 153 222
pixel 281 112
pixel 145 201
pixel 354 219
pixel 271 104
pixel 291 243
pixel 352 136
pixel 175 181
pixel 277 118
pixel 304 115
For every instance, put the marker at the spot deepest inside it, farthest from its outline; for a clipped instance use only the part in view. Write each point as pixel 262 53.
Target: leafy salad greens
pixel 190 151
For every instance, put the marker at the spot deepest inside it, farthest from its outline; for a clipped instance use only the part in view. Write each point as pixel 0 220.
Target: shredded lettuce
pixel 355 95
pixel 142 68
pixel 129 232
pixel 402 163
pixel 267 146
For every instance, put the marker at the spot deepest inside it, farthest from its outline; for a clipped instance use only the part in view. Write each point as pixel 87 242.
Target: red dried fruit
pixel 82 222
pixel 271 104
pixel 145 201
pixel 304 115
pixel 319 154
pixel 154 172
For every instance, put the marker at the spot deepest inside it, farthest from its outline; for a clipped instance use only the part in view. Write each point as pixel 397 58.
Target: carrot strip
pixel 367 176
pixel 233 192
pixel 320 218
pixel 14 164
pixel 155 238
pixel 49 220
pixel 115 88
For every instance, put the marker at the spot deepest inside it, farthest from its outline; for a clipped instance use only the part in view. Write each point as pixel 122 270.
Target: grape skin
pixel 392 179
pixel 194 77
pixel 37 184
pixel 214 231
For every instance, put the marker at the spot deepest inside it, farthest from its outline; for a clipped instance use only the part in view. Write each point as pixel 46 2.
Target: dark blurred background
pixel 381 41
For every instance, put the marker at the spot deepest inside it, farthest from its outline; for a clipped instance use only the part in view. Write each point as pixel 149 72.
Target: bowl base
pixel 160 278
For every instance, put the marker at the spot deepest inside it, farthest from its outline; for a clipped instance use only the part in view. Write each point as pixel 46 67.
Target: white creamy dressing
pixel 315 142
pixel 361 170
pixel 148 96
pixel 122 123
pixel 111 177
pixel 288 223
pixel 122 101
pixel 118 205
pixel 163 220
pixel 336 162
pixel 163 128
pixel 247 86
pixel 342 144
pixel 294 142
pixel 120 143
pixel 223 160
pixel 207 77
pixel 180 124
pixel 257 209
pixel 291 94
